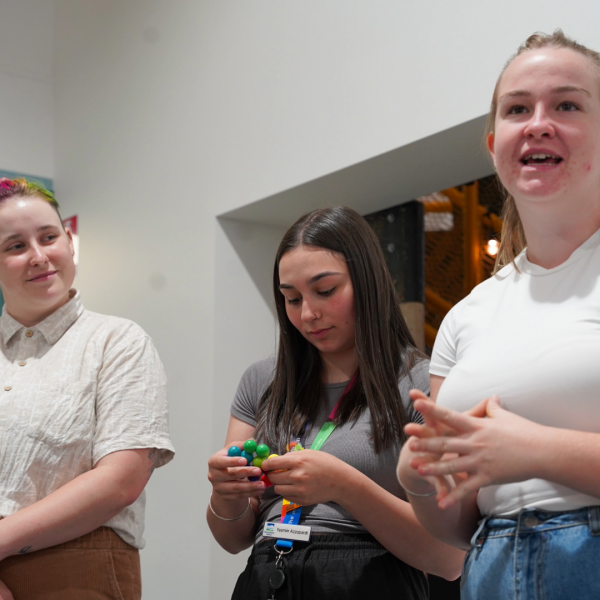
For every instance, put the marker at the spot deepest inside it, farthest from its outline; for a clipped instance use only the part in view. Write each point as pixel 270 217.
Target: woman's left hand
pixel 502 448
pixel 307 477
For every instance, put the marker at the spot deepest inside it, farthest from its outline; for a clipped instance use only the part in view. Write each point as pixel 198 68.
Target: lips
pixel 540 158
pixel 43 276
pixel 319 332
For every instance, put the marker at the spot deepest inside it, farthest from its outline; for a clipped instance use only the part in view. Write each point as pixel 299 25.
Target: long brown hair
pixel 384 346
pixel 512 240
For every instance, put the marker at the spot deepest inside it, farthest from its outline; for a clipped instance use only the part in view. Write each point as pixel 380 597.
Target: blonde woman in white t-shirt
pixel 82 420
pixel 507 462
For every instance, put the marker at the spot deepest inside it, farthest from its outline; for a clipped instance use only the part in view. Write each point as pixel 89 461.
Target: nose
pixel 38 255
pixel 540 124
pixel 308 312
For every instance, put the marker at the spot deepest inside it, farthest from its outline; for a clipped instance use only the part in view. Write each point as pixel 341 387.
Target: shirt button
pixel 22 363
pixel 7 388
pixel 29 333
pixel 530 521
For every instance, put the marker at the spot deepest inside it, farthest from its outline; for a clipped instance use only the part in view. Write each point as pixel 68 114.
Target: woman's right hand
pixel 229 476
pixel 5 593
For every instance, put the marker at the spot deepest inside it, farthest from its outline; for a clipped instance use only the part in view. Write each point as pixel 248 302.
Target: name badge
pixel 285 531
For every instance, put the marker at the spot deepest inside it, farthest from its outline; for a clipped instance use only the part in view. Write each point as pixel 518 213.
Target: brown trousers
pixel 95 566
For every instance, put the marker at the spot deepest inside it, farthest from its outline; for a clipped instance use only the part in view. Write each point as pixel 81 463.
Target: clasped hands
pixel 484 446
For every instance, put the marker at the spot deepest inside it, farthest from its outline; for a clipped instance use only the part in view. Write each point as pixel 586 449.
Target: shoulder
pixel 109 323
pixel 254 382
pixel 417 378
pixel 259 375
pixel 112 330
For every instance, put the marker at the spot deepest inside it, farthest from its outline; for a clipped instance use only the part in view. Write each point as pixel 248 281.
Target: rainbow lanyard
pixel 291 512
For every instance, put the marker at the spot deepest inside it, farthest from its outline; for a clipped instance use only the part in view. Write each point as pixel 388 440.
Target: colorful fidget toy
pixel 262 452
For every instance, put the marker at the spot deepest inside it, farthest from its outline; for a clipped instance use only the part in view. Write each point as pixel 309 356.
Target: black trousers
pixel 336 566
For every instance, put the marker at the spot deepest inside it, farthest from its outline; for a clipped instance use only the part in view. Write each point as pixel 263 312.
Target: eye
pixel 327 292
pixel 50 237
pixel 516 110
pixel 292 301
pixel 567 106
pixel 15 246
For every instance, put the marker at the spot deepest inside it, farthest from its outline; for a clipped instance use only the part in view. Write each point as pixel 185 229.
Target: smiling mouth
pixel 42 276
pixel 541 159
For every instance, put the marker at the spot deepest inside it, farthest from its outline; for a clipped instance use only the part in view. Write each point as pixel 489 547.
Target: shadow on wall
pixel 255 245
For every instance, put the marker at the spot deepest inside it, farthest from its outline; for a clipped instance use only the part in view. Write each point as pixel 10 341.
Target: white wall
pixel 169 113
pixel 26 98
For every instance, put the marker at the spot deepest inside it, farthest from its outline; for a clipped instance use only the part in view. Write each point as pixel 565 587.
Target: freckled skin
pixel 565 124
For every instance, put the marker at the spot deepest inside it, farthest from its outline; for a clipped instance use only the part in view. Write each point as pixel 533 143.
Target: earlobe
pixel 490 145
pixel 71 244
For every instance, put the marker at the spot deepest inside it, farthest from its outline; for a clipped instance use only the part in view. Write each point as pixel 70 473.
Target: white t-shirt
pixel 533 339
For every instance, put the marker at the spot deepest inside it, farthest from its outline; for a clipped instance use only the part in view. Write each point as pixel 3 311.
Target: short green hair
pixel 10 188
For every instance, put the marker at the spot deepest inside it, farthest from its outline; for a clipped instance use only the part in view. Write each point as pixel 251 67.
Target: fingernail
pixel 260 486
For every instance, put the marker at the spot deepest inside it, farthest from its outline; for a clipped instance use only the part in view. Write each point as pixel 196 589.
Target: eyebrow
pixel 557 90
pixel 286 286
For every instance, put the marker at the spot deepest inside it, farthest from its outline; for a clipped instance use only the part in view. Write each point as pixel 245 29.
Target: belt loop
pixel 594 519
pixel 480 534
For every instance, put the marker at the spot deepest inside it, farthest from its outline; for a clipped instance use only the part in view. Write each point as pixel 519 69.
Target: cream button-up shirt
pixel 74 388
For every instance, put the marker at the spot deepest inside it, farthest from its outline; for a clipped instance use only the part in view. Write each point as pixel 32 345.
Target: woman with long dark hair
pixel 520 488
pixel 345 364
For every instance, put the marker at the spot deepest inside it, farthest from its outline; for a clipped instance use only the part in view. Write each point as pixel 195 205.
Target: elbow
pixel 449 565
pixel 131 496
pixel 128 494
pixel 231 548
pixel 451 572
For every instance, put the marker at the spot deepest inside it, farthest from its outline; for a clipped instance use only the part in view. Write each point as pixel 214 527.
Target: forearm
pixel 235 535
pixel 454 525
pixel 78 507
pixel 394 524
pixel 569 458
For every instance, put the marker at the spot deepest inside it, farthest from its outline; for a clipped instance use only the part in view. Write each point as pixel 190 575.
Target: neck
pixel 31 317
pixel 555 230
pixel 339 367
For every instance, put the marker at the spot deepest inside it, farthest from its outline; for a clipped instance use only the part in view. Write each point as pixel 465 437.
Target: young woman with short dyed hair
pixel 83 420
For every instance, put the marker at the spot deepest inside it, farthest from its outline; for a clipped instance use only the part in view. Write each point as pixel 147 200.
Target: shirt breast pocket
pixel 63 416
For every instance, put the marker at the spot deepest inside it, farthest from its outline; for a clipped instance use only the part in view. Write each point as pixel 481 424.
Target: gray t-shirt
pixel 349 442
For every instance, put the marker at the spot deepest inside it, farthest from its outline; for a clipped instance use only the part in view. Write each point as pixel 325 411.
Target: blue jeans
pixel 537 555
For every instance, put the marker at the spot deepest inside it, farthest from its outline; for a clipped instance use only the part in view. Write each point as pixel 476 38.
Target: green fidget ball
pixel 250 446
pixel 262 450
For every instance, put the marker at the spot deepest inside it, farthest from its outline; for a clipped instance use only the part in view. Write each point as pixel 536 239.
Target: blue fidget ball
pixel 249 457
pixel 234 451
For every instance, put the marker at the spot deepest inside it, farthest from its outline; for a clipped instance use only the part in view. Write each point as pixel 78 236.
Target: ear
pixel 70 236
pixel 490 146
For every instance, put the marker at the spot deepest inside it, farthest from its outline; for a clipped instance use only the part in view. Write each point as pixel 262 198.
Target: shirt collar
pixel 52 327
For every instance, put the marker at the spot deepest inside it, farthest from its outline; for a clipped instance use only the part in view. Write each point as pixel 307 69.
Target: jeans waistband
pixel 535 521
